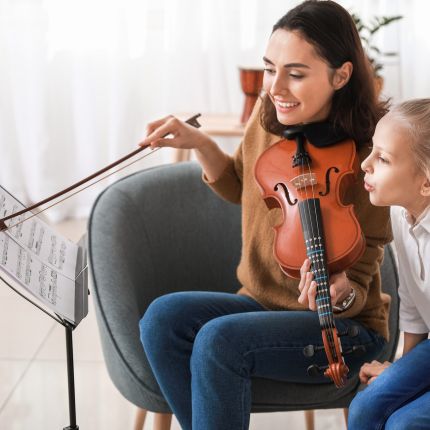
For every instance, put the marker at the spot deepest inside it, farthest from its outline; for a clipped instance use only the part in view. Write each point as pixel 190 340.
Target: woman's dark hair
pixel 330 29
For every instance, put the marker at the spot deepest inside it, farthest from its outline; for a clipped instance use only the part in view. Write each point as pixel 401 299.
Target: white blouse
pixel 412 242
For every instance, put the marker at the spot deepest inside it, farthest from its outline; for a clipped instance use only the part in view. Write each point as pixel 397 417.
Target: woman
pixel 204 347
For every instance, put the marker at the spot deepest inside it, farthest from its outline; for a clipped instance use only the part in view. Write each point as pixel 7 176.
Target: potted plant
pixel 374 54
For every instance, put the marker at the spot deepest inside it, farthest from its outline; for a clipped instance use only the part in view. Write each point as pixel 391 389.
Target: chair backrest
pixel 163 230
pixel 390 285
pixel 153 232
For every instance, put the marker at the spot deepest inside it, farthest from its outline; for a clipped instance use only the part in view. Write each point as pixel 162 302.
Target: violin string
pixel 82 189
pixel 327 317
pixel 308 222
pixel 322 242
pixel 309 225
pixel 318 265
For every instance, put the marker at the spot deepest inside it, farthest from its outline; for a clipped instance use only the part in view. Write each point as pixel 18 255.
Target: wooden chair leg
pixel 162 421
pixel 345 415
pixel 139 421
pixel 310 419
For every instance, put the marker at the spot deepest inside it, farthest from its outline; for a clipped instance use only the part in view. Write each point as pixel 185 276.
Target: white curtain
pixel 80 79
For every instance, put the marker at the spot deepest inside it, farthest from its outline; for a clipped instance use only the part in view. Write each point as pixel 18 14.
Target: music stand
pixel 81 300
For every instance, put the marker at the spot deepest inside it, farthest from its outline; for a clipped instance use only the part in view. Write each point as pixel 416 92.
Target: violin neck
pixel 313 232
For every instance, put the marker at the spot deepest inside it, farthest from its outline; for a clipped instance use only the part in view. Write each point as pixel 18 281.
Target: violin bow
pixel 191 121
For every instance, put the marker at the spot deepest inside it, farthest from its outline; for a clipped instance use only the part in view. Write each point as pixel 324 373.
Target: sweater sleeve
pixel 229 184
pixel 375 224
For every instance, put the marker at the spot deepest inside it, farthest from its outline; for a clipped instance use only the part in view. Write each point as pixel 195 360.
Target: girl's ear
pixel 342 75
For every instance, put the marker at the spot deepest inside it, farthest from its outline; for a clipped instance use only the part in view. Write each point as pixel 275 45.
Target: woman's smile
pixel 285 106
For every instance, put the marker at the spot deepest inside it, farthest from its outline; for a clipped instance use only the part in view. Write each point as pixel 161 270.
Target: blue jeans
pixel 399 398
pixel 205 347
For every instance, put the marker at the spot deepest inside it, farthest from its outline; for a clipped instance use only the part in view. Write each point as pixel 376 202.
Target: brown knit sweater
pixel 259 273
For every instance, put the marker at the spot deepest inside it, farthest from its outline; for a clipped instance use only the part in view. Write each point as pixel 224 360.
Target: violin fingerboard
pixel 313 232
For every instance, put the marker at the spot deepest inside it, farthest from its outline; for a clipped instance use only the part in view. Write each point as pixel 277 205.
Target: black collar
pixel 319 134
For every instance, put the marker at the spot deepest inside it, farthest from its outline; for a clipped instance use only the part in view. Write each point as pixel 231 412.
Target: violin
pixel 308 183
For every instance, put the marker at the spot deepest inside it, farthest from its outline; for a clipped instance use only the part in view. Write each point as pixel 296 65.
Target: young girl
pixel 205 347
pixel 398 173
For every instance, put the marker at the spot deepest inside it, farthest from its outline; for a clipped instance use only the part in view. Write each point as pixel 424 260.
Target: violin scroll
pixel 336 370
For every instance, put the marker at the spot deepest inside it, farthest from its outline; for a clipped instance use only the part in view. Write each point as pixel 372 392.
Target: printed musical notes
pixel 39 259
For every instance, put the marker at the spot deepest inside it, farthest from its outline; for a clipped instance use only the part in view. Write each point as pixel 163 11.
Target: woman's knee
pixel 163 316
pixel 213 347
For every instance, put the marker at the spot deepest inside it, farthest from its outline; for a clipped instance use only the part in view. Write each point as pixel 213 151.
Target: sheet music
pixel 38 238
pixel 39 259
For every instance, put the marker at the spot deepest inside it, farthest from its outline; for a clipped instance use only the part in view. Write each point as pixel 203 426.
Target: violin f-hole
pixel 287 194
pixel 327 180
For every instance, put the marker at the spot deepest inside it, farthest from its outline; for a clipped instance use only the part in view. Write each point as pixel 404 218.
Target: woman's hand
pixel 370 371
pixel 340 287
pixel 172 132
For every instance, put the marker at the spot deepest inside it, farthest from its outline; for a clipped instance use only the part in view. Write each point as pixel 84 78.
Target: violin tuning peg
pixel 315 370
pixel 352 331
pixel 355 350
pixel 310 350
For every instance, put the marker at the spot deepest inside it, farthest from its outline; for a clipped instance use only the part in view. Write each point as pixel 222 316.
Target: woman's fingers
pixel 303 271
pixel 340 287
pixel 168 125
pixel 303 287
pixel 152 126
pixel 307 287
pixel 333 294
pixel 308 290
pixel 305 266
pixel 172 132
pixel 312 294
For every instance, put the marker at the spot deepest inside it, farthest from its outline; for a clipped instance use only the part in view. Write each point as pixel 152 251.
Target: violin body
pixel 282 185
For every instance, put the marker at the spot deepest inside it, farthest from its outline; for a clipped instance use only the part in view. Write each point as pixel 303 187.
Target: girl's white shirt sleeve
pixel 410 319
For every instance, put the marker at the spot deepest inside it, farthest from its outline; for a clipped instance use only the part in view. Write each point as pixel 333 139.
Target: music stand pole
pixel 70 376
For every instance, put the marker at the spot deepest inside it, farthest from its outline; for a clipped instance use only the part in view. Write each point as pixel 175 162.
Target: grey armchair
pixel 162 230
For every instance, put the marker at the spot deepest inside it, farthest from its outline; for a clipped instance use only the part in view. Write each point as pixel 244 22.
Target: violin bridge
pixel 304 180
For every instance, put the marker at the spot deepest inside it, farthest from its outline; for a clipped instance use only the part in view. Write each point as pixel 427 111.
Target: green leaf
pixel 366 33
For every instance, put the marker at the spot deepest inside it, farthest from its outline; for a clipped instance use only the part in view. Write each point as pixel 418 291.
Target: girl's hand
pixel 182 135
pixel 370 371
pixel 340 287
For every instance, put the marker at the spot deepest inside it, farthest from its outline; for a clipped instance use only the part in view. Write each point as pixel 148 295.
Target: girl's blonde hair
pixel 415 116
